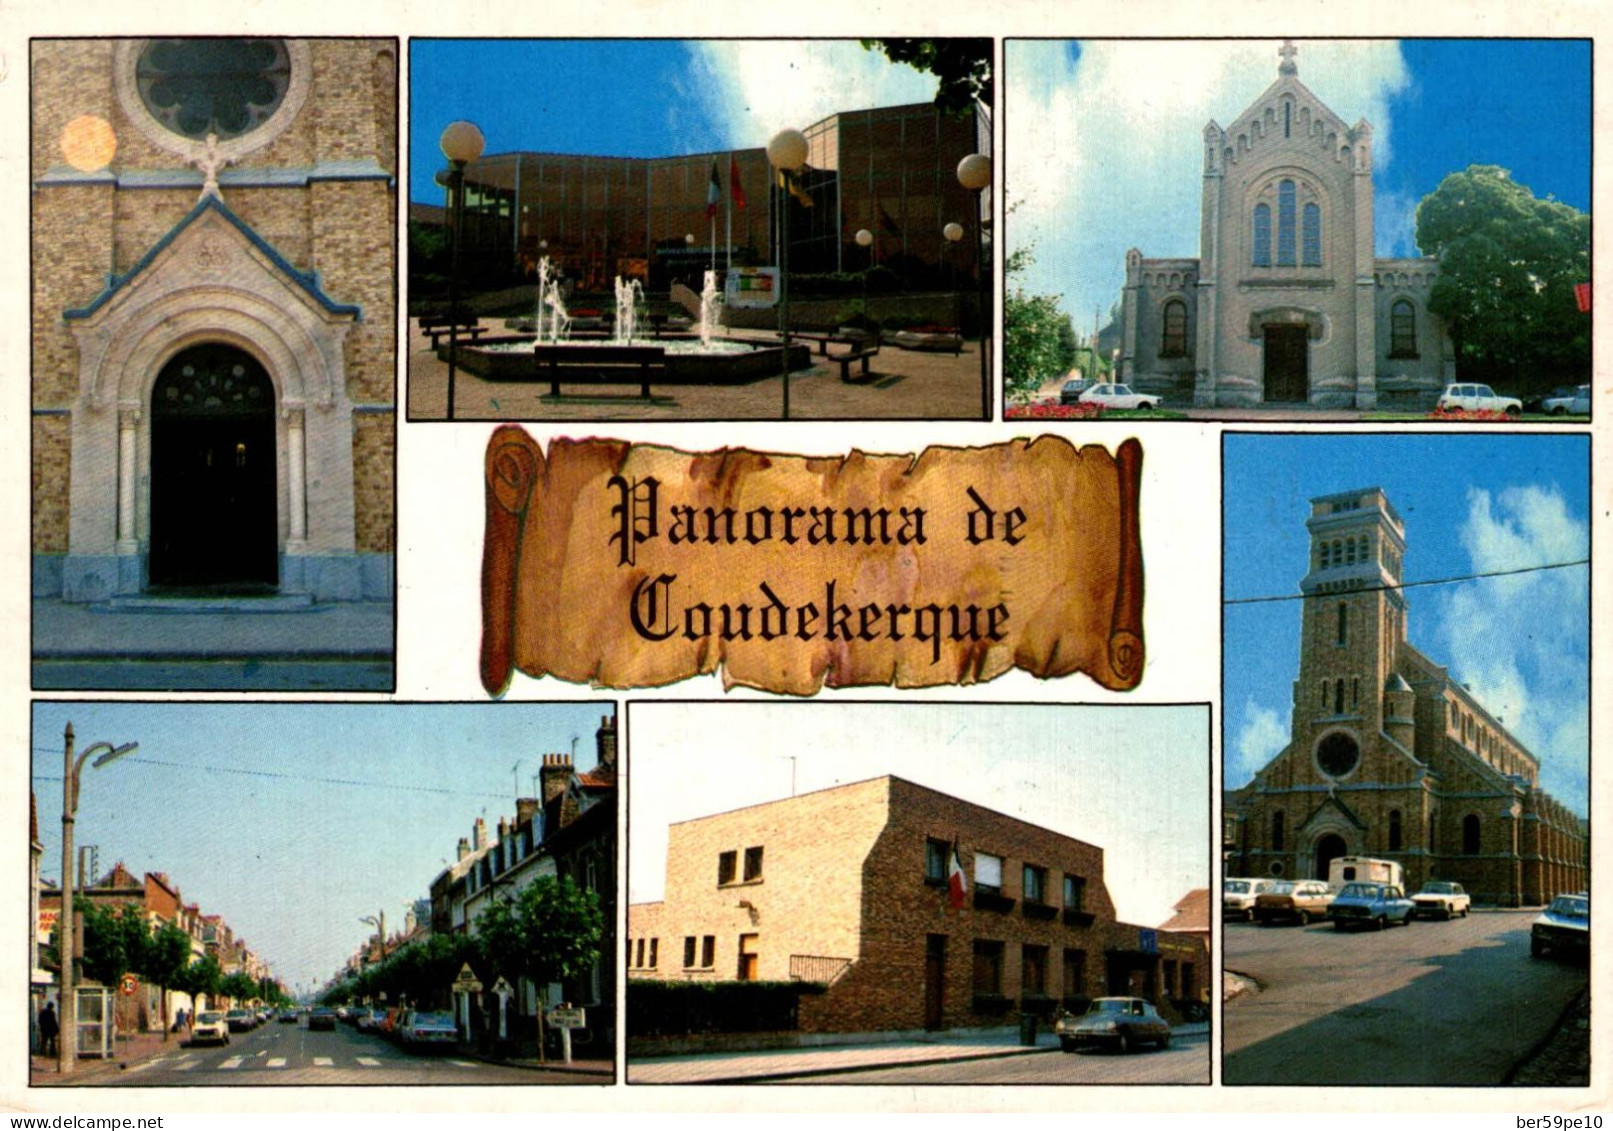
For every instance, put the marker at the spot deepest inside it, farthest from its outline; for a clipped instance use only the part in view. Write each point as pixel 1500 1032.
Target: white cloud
pixel 756 88
pixel 1521 642
pixel 1260 739
pixel 1106 153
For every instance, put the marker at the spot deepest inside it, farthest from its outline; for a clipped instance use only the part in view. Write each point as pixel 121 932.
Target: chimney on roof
pixel 479 837
pixel 556 775
pixel 525 807
pixel 503 829
pixel 605 743
pixel 464 849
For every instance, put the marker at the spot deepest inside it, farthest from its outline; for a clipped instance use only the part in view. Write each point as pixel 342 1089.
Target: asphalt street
pixel 1187 1061
pixel 1435 1003
pixel 278 1054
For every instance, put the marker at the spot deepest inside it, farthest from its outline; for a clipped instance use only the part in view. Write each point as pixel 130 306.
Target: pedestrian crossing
pixel 238 1063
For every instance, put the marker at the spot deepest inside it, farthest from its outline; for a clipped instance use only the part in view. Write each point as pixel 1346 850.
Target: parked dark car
pixel 423 1031
pixel 1119 1023
pixel 1563 929
pixel 1370 905
pixel 322 1018
pixel 1072 390
pixel 241 1020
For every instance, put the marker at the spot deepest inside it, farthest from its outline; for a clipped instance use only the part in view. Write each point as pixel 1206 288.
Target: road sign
pixel 502 988
pixel 129 985
pixel 564 1017
pixel 466 983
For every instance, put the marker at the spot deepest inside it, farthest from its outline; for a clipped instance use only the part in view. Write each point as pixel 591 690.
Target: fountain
pixel 629 293
pixel 710 309
pixel 559 322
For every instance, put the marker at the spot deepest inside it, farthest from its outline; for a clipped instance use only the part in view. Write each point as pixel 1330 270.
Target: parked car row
pixel 1363 902
pixel 1563 929
pixel 415 1029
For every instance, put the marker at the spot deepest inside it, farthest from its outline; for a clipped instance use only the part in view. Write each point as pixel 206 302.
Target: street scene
pixel 460 932
pixel 1308 230
pixel 1436 1003
pixel 996 882
pixel 813 249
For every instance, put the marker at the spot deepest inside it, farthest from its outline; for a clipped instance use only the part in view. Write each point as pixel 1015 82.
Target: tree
pixel 201 978
pixel 1508 262
pixel 239 987
pixel 550 932
pixel 1035 350
pixel 962 66
pixel 116 941
pixel 167 955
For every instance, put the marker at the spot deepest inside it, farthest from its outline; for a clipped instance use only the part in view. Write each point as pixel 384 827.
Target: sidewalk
pixel 776 1064
pixel 602 1068
pixel 126 1052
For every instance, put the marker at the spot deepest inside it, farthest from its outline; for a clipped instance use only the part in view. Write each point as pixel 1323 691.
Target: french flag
pixel 957 886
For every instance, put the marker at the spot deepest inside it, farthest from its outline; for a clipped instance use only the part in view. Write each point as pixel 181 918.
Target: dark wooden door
pixel 1287 364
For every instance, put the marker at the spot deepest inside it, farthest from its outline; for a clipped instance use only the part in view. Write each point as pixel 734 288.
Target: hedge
pixel 675 1009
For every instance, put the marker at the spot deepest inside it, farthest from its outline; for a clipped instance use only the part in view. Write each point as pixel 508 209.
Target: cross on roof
pixel 1288 51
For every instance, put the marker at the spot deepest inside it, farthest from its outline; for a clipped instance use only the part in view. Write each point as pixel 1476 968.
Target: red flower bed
pixel 1469 414
pixel 1048 410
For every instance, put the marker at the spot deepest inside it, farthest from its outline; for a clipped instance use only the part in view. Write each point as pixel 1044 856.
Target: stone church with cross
pixel 213 320
pixel 1390 757
pixel 1287 302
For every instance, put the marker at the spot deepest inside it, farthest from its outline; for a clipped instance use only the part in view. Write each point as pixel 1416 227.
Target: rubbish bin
pixel 1027 1029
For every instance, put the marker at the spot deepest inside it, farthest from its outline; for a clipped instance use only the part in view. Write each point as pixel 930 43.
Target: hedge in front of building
pixel 675 1009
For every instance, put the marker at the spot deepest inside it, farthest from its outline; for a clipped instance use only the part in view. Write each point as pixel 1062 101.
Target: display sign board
pixel 1147 940
pixel 566 1017
pixel 128 985
pixel 751 287
pixel 502 988
pixel 466 983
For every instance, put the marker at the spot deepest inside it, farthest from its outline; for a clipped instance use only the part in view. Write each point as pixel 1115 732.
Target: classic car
pixel 1477 398
pixel 210 1027
pixel 1238 896
pixel 1370 905
pixel 1119 1023
pixel 1564 928
pixel 1441 899
pixel 1294 901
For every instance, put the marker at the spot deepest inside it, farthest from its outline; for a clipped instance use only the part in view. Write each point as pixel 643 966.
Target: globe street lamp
pixel 974 174
pixel 953 233
pixel 66 921
pixel 865 239
pixel 786 152
pixel 461 143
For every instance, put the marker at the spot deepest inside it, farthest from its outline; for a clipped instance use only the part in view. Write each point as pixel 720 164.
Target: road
pixel 290 1054
pixel 1434 1003
pixel 1187 1061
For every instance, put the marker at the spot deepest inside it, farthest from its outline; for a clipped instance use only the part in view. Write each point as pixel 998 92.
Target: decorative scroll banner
pixel 629 565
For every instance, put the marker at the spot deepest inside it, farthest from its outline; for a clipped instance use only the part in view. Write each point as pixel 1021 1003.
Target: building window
pixel 1285 224
pixel 1470 835
pixel 747 958
pixel 753 863
pixel 1075 893
pixel 1033 970
pixel 1344 624
pixel 1402 329
pixel 226 87
pixel 1355 692
pixel 1262 255
pixel 1311 236
pixel 1174 343
pixel 1324 562
pixel 1035 884
pixel 1338 697
pixel 655 957
pixel 688 951
pixel 708 951
pixel 1075 973
pixel 1189 989
pixel 988 972
pixel 640 961
pixel 988 873
pixel 936 853
pixel 1394 830
pixel 1277 831
pixel 727 862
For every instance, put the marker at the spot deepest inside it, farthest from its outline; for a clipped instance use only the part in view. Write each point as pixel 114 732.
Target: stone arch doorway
pixel 1328 849
pixel 1287 363
pixel 213 486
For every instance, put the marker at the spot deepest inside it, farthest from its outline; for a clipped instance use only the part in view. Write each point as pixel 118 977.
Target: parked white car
pixel 1238 896
pixel 1118 396
pixel 1441 899
pixel 1579 404
pixel 1478 398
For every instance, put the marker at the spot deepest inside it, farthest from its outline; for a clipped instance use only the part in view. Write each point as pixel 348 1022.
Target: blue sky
pixel 1132 780
pixel 637 98
pixel 1470 504
pixel 1104 138
pixel 293 821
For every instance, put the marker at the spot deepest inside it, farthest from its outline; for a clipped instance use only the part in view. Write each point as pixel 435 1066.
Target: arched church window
pixel 1338 552
pixel 1394 830
pixel 1470 835
pixel 1355 691
pixel 1262 255
pixel 1344 624
pixel 1174 343
pixel 1349 551
pixel 1338 754
pixel 1311 236
pixel 1285 224
pixel 199 86
pixel 1277 831
pixel 1338 697
pixel 1402 329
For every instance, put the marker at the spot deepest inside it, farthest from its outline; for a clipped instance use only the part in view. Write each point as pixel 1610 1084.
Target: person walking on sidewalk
pixel 48 1030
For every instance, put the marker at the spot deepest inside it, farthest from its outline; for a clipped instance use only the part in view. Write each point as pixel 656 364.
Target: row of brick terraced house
pixel 847 889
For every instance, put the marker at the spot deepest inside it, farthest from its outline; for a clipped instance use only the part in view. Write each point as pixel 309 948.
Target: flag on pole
pixel 713 193
pixel 1582 297
pixel 735 189
pixel 957 886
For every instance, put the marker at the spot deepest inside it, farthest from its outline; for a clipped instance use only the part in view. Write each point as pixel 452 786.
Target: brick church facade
pixel 213 316
pixel 1287 301
pixel 1389 756
pixel 847 887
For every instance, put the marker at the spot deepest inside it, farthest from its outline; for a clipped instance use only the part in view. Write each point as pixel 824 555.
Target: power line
pixel 288 777
pixel 1406 584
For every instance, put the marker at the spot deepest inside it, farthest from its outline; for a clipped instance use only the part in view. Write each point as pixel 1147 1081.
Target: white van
pixel 1349 869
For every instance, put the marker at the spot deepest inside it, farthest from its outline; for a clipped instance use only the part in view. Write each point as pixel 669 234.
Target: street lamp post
pixel 380 929
pixel 865 240
pixel 67 921
pixel 461 143
pixel 974 174
pixel 953 233
pixel 786 152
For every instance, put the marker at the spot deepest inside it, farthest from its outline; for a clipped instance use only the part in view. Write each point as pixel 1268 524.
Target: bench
pixel 861 352
pixel 584 364
pixel 467 325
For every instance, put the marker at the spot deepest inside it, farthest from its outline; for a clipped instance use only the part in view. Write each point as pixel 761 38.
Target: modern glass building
pixel 892 171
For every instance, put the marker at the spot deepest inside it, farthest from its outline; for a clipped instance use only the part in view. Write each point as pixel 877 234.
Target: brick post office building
pixel 847 887
pixel 1389 756
pixel 213 316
